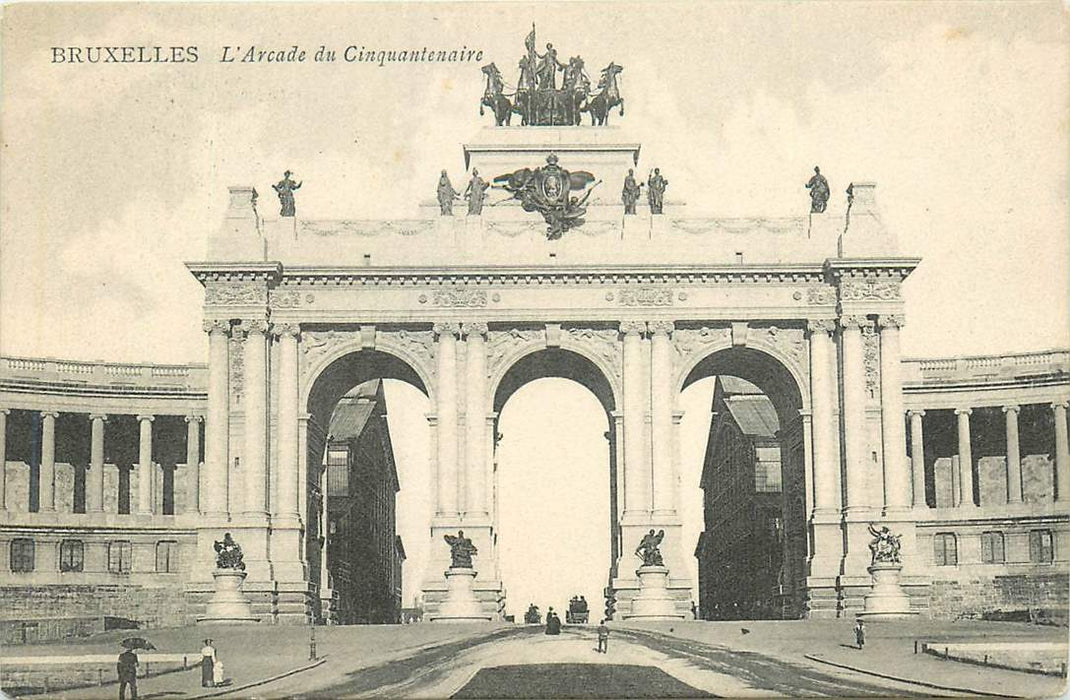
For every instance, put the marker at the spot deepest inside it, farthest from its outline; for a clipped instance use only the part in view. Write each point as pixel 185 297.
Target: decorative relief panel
pixel 818 295
pixel 503 344
pixel 644 296
pixel 789 342
pixel 316 344
pixel 865 288
pixel 602 342
pixel 871 358
pixel 237 366
pixel 284 298
pixel 235 293
pixel 419 345
pixel 695 341
pixel 460 296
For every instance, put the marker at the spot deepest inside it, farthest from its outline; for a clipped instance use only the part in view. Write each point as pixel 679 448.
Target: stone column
pixel 823 421
pixel 475 420
pixel 636 474
pixel 965 459
pixel 94 486
pixel 897 492
pixel 287 483
pixel 854 414
pixel 254 400
pixel 46 501
pixel 3 458
pixel 214 497
pixel 917 456
pixel 447 417
pixel 193 463
pixel 664 478
pixel 1014 455
pixel 1062 453
pixel 145 467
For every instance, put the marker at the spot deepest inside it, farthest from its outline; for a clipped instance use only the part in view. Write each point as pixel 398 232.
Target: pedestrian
pixel 208 659
pixel 127 670
pixel 603 638
pixel 860 633
pixel 217 672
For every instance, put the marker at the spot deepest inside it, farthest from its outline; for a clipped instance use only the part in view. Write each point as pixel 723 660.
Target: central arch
pixel 781 383
pixel 589 371
pixel 347 367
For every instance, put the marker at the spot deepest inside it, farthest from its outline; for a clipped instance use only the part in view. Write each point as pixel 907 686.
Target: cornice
pixel 839 268
pixel 235 271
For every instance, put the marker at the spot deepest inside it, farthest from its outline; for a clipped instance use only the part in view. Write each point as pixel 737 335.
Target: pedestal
pixel 461 604
pixel 228 605
pixel 887 600
pixel 653 602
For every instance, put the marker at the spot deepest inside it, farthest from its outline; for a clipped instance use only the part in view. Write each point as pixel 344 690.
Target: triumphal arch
pixel 550 274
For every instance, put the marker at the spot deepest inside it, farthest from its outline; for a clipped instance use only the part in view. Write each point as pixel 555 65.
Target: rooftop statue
pixel 649 549
pixel 286 188
pixel 547 190
pixel 655 192
pixel 476 193
pixel 461 550
pixel 446 194
pixel 537 98
pixel 630 193
pixel 819 192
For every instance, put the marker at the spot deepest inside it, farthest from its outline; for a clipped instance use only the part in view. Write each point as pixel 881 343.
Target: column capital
pixel 821 325
pixel 442 328
pixel 633 327
pixel 98 416
pixel 915 412
pixel 216 325
pixel 254 325
pixel 661 327
pixel 50 413
pixel 1060 404
pixel 146 417
pixel 891 320
pixel 280 330
pixel 1015 408
pixel 194 419
pixel 469 328
pixel 963 411
pixel 4 411
pixel 854 321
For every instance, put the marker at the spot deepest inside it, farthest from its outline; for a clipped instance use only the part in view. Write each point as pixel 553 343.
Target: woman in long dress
pixel 208 659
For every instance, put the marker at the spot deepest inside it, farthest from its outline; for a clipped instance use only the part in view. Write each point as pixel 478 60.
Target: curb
pixel 968 691
pixel 262 681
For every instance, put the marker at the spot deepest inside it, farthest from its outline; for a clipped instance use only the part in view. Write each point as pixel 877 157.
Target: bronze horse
pixel 609 96
pixel 494 96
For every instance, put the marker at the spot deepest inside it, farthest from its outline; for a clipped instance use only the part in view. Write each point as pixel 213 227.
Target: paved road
pixel 453 670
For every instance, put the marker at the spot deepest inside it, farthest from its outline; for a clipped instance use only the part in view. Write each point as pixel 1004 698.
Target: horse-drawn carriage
pixel 578 613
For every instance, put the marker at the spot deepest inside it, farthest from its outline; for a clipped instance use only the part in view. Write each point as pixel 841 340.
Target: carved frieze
pixel 789 342
pixel 820 295
pixel 871 358
pixel 504 344
pixel 602 342
pixel 284 298
pixel 869 288
pixel 645 296
pixel 459 296
pixel 237 365
pixel 235 293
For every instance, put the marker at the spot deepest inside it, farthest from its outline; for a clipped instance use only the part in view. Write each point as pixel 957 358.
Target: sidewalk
pixel 253 654
pixel 889 650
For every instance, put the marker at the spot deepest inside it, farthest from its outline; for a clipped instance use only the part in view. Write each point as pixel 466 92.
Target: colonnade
pixel 1011 412
pixel 141 502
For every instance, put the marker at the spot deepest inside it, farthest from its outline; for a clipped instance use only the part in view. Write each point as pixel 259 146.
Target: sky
pixel 111 176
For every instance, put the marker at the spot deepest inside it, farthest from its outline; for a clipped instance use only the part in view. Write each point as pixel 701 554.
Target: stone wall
pixel 974 596
pixel 150 606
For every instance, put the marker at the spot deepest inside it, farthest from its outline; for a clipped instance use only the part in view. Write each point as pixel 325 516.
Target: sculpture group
pixel 537 99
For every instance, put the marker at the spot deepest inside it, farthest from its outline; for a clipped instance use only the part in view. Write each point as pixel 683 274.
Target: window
pixel 945 550
pixel 120 553
pixel 167 557
pixel 21 554
pixel 1040 547
pixel 992 548
pixel 71 555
